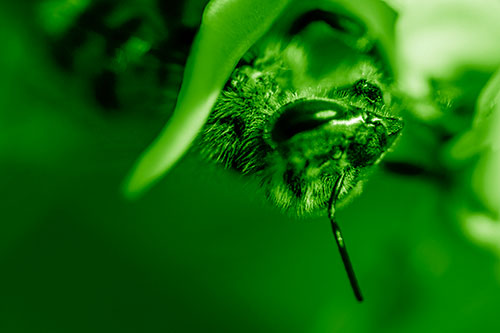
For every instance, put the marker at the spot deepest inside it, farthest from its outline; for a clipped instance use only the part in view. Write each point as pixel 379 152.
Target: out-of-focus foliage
pixel 449 50
pixel 201 252
pixel 442 39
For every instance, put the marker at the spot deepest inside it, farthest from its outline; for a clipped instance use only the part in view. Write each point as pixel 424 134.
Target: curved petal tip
pixel 228 29
pixel 170 145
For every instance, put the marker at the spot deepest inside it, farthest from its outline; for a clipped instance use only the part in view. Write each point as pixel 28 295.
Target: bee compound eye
pixel 368 90
pixel 303 116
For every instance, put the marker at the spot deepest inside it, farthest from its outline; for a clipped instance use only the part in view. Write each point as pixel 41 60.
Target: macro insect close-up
pixel 182 166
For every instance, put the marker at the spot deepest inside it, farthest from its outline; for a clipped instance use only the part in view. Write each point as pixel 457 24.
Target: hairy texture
pixel 298 176
pixel 300 108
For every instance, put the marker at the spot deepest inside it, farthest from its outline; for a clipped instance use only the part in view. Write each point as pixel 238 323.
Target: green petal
pixel 228 30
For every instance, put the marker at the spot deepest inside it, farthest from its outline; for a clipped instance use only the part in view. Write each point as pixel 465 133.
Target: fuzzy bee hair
pixel 237 134
pixel 143 54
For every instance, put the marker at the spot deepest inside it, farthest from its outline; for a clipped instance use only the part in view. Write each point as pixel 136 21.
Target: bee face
pixel 296 125
pixel 325 133
pixel 315 146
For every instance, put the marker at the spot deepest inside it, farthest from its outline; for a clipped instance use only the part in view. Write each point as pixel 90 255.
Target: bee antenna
pixel 340 239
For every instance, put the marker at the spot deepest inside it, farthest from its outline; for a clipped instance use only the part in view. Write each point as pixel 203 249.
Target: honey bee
pixel 297 135
pixel 309 109
pixel 308 101
pixel 310 135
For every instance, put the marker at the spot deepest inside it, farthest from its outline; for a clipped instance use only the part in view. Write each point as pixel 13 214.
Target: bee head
pixel 304 105
pixel 332 136
pixel 316 140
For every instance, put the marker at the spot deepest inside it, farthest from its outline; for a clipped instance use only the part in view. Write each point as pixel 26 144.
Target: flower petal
pixel 228 30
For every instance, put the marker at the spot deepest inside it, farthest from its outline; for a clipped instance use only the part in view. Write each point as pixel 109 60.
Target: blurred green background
pixel 201 252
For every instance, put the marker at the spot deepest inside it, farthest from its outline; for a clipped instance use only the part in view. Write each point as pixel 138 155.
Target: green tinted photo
pixel 250 166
